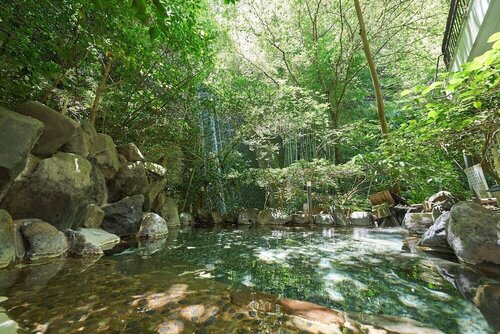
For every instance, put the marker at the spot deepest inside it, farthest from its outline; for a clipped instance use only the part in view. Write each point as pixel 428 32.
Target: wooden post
pixel 309 196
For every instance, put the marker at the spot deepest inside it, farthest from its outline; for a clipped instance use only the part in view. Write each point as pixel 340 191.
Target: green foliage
pixel 460 112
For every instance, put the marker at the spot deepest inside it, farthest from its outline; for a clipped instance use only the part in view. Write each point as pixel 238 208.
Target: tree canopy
pixel 259 97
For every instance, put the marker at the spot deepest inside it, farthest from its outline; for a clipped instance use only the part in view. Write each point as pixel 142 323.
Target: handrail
pixel 454 25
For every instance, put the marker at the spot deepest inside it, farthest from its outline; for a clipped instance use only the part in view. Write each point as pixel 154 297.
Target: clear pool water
pixel 137 289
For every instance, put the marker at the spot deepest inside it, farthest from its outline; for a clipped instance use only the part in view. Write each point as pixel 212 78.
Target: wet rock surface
pixel 57 191
pixel 7 239
pixel 153 226
pixel 42 240
pixel 123 218
pixel 474 233
pixel 130 180
pixel 435 236
pixel 14 149
pixel 418 223
pixel 58 128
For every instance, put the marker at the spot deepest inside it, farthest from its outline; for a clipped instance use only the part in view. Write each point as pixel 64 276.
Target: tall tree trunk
pixel 396 187
pixel 100 90
pixel 373 71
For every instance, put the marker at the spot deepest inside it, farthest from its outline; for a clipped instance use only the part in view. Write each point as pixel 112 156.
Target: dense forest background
pixel 245 102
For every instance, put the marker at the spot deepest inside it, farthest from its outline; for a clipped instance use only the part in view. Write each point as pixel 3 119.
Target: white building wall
pixel 482 22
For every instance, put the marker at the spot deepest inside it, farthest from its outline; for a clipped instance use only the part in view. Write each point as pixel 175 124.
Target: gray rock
pixel 186 218
pixel 248 217
pixel 99 192
pixel 167 208
pixel 123 218
pixel 324 219
pixel 59 128
pixel 340 218
pixel 487 299
pixel 152 226
pixel 7 239
pixel 87 242
pixel 156 183
pixel 104 154
pixel 155 168
pixel 57 191
pixel 130 180
pixel 361 218
pixel 92 216
pixel 302 219
pixel 418 223
pixel 474 233
pixel 18 135
pixel 100 238
pixel 122 159
pixel 435 236
pixel 273 217
pixel 19 241
pixel 42 240
pixel 131 152
pixel 81 142
pixel 78 246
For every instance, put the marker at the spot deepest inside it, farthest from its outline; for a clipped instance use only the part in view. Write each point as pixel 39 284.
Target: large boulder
pixel 474 233
pixel 123 218
pixel 435 236
pixel 487 299
pixel 273 217
pixel 324 219
pixel 42 240
pixel 156 183
pixel 302 219
pixel 81 142
pixel 59 128
pixel 418 223
pixel 361 218
pixel 166 207
pixel 103 153
pixel 92 216
pixel 87 242
pixel 130 180
pixel 131 152
pixel 99 192
pixel 248 217
pixel 56 192
pixel 18 135
pixel 152 226
pixel 7 239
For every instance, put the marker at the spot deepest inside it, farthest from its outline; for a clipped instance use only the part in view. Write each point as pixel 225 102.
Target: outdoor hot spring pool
pixel 137 289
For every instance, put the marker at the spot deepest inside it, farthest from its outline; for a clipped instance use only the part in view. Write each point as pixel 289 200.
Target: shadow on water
pixel 183 283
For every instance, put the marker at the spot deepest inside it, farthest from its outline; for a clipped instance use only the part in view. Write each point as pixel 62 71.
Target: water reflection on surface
pixel 182 283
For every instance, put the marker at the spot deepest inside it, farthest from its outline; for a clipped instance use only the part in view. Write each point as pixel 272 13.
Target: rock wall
pixel 67 190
